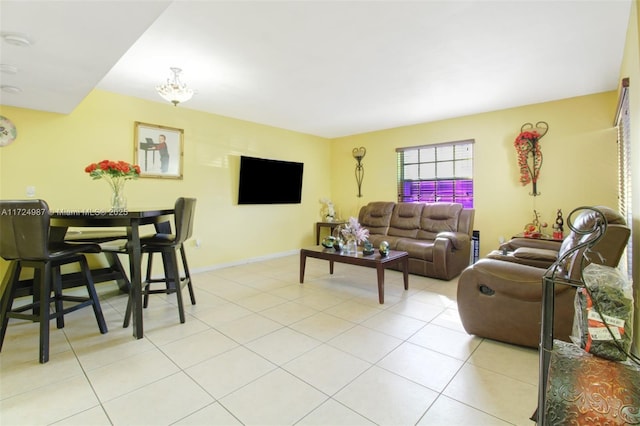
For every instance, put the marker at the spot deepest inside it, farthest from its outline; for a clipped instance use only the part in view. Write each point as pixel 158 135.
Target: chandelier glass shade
pixel 174 90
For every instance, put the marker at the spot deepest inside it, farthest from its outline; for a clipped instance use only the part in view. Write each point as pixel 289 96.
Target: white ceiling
pixel 327 68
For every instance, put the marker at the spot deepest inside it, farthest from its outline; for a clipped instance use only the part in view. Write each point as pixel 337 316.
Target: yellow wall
pixel 579 167
pixel 52 150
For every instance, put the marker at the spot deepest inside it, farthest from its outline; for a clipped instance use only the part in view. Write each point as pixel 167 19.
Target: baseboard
pixel 245 261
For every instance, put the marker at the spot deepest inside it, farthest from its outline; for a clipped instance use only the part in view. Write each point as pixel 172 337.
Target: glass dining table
pixel 131 221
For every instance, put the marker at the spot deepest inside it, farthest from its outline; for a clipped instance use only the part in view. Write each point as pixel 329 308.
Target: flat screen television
pixel 264 181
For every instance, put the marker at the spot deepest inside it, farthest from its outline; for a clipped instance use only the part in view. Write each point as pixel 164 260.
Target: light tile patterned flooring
pixel 258 348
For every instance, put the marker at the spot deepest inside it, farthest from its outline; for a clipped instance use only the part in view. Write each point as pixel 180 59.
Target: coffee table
pixel 375 260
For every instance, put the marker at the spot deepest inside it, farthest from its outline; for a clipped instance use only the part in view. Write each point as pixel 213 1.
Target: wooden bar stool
pixel 24 226
pixel 168 245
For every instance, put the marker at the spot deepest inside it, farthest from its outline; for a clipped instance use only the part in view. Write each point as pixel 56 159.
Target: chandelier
pixel 174 90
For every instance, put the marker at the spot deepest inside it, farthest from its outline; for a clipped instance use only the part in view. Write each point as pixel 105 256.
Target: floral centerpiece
pixel 354 233
pixel 115 173
pixel 534 228
pixel 328 211
pixel 525 143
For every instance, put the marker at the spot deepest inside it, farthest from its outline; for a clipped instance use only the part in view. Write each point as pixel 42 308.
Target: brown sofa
pixel 437 236
pixel 500 297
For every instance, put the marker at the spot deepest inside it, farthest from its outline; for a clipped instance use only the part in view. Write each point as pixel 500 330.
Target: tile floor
pixel 258 348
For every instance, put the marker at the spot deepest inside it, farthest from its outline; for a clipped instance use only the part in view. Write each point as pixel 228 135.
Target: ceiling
pixel 326 68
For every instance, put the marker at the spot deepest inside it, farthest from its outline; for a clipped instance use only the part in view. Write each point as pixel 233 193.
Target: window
pixel 624 163
pixel 432 173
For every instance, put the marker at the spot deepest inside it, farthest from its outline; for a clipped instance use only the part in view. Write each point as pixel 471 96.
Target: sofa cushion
pixel 536 254
pixel 523 260
pixel 376 216
pixel 405 220
pixel 417 249
pixel 438 217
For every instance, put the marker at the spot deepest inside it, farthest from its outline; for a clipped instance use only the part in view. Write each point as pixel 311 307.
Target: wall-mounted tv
pixel 264 181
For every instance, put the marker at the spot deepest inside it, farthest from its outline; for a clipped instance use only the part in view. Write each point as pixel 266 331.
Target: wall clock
pixel 8 132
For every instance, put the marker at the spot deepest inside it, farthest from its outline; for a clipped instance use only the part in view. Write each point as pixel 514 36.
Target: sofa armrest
pixel 459 240
pixel 451 254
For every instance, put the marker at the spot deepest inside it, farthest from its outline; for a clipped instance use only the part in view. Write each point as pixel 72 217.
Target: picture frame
pixel 158 150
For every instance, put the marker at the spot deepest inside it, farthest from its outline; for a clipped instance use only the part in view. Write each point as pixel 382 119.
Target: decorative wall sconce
pixel 529 154
pixel 358 154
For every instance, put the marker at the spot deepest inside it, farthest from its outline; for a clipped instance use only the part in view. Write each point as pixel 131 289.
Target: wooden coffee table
pixel 375 260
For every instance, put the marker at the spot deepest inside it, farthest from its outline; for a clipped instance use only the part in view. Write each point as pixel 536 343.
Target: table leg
pixel 303 263
pixel 135 294
pixel 405 272
pixel 42 278
pixel 546 345
pixel 331 267
pixel 380 271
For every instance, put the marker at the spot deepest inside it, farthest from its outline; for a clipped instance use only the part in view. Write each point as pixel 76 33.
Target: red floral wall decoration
pixel 529 153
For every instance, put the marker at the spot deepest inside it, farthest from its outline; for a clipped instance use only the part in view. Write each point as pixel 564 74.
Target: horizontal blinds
pixel 436 173
pixel 623 123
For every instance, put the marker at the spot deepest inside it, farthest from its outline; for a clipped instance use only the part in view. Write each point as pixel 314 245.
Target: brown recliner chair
pixel 501 298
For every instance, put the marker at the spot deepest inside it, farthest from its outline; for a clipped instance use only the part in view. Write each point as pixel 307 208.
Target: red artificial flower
pixel 526 143
pixel 113 170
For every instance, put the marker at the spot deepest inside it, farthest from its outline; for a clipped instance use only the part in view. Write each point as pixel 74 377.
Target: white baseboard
pixel 245 261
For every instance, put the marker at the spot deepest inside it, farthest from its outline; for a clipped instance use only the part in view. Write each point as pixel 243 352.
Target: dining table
pixel 130 220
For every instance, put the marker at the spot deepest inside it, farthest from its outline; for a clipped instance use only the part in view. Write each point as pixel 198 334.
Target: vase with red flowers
pixel 115 173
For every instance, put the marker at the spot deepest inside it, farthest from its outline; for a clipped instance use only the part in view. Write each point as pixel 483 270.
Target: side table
pixel 330 225
pixel 544 237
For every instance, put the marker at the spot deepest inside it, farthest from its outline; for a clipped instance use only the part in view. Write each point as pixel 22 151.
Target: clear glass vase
pixel 352 246
pixel 118 200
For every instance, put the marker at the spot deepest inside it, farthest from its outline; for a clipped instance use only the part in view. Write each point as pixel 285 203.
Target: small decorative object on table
pixel 384 248
pixel 367 248
pixel 338 244
pixel 558 228
pixel 534 228
pixel 116 173
pixel 328 242
pixel 354 233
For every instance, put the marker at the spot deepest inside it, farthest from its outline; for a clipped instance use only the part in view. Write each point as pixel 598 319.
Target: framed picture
pixel 158 150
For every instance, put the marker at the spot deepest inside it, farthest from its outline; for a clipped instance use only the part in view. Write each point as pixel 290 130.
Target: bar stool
pixel 167 245
pixel 24 226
